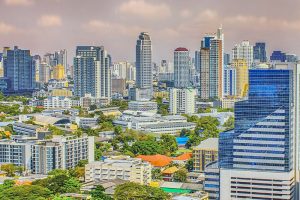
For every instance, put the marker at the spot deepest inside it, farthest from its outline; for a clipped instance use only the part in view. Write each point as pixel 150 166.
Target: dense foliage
pixel 136 191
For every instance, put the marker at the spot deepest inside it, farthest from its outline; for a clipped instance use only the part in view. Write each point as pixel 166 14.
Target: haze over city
pixel 44 26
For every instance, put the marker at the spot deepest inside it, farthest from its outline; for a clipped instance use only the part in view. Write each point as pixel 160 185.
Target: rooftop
pixel 210 143
pixel 181 49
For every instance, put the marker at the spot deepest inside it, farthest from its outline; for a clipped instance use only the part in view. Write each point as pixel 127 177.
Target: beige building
pixel 119 167
pixel 241 77
pixel 205 153
pixel 61 92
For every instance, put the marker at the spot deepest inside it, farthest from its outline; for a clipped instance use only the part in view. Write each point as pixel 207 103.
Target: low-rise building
pixel 125 168
pixel 205 153
pixel 26 129
pixel 153 123
pixel 86 122
pixel 143 106
pixel 57 102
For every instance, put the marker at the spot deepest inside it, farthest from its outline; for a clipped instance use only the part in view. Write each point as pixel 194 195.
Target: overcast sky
pixel 47 25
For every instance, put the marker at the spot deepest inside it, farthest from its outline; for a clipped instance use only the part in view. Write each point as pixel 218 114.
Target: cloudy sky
pixel 48 25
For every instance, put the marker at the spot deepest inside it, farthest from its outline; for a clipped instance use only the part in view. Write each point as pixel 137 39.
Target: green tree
pixel 229 124
pixel 168 142
pixel 71 185
pixel 98 193
pixel 156 174
pixel 118 130
pixel 10 169
pixel 25 192
pixel 180 175
pixel 6 185
pixel 82 163
pixel 135 191
pixel 93 107
pixel 189 165
pixel 147 147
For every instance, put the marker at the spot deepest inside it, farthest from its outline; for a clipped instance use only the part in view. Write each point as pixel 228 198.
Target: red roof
pixel 185 156
pixel 156 160
pixel 162 161
pixel 181 49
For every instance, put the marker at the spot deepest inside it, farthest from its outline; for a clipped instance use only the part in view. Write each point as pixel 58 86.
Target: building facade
pixel 20 70
pixel 182 68
pixel 256 159
pixel 182 101
pixel 125 168
pixel 259 52
pixel 92 72
pixel 242 81
pixel 205 153
pixel 230 78
pixel 244 50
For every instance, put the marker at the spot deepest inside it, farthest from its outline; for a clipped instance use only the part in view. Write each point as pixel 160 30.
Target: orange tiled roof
pixel 185 156
pixel 156 160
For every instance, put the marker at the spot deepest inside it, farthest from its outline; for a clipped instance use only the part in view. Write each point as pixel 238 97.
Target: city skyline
pixel 65 24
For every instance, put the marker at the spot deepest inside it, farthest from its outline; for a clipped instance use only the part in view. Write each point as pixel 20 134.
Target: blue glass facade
pixel 259 52
pixel 229 81
pixel 262 138
pixel 20 70
pixel 278 56
pixel 206 41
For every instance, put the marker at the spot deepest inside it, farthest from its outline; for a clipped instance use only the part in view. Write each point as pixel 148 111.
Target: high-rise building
pixel 37 62
pixel 197 61
pixel 230 78
pixel 124 70
pixel 204 73
pixel 20 70
pixel 259 52
pixel 144 76
pixel 182 101
pixel 216 56
pixel 92 72
pixel 182 68
pixel 241 77
pixel 59 72
pixel 1 65
pixel 44 72
pixel 243 50
pixel 257 158
pixel 61 59
pixel 278 56
pixel 227 60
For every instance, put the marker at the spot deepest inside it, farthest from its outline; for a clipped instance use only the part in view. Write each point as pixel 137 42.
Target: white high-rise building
pixel 243 50
pixel 182 68
pixel 182 101
pixel 92 73
pixel 124 70
pixel 144 76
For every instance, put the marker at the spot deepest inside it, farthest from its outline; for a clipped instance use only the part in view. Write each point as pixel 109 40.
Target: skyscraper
pixel 92 72
pixel 216 56
pixel 211 65
pixel 182 68
pixel 44 72
pixel 204 73
pixel 256 159
pixel 61 59
pixel 259 52
pixel 20 70
pixel 241 77
pixel 144 77
pixel 229 80
pixel 243 50
pixel 197 61
pixel 182 101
